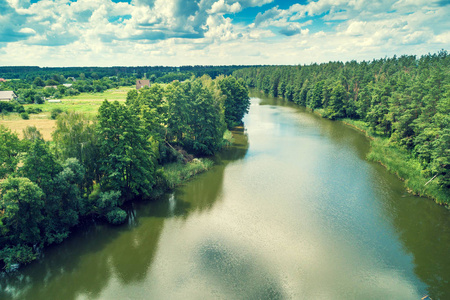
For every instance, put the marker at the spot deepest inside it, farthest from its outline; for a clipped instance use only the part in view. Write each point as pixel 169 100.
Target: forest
pixel 138 149
pixel 403 103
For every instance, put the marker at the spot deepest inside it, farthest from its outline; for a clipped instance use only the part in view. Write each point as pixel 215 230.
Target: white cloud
pixel 177 32
pixel 220 7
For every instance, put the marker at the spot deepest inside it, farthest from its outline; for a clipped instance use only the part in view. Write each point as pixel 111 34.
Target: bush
pixel 55 113
pixel 116 216
pixel 177 173
pixel 31 110
pixel 14 256
pixel 24 116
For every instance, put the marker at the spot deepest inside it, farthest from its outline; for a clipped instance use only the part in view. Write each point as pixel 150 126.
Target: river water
pixel 291 211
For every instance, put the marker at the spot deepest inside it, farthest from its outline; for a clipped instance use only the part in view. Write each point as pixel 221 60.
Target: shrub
pixel 24 116
pixel 55 113
pixel 14 256
pixel 116 216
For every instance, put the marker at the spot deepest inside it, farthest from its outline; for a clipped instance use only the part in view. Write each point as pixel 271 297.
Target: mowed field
pixel 87 103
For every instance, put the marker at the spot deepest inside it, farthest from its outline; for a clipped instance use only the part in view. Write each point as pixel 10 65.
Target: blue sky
pixel 217 32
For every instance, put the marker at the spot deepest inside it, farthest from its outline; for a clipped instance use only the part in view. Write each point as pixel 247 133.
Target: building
pixel 7 95
pixel 2 80
pixel 141 83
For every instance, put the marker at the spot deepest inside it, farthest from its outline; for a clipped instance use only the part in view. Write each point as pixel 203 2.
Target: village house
pixel 7 95
pixel 141 83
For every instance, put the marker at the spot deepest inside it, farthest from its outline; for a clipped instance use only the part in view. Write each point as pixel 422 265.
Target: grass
pixel 177 173
pixel 86 103
pixel 398 161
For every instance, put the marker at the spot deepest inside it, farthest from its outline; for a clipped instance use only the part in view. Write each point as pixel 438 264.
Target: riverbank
pixel 396 160
pixel 399 162
pixel 178 173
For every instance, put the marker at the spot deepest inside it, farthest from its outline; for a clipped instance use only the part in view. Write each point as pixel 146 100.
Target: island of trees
pixel 92 166
pixel 403 103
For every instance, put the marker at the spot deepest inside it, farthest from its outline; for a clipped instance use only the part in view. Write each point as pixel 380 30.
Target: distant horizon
pixel 107 33
pixel 224 65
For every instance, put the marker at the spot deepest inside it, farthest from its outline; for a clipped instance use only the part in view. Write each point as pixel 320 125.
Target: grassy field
pixel 87 103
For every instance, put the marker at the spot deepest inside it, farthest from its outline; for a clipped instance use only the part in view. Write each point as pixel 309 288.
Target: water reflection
pixel 97 255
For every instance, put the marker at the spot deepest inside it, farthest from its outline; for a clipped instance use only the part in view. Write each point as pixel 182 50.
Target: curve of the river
pixel 291 211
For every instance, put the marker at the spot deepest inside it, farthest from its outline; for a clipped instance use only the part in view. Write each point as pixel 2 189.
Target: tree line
pixel 29 73
pixel 93 166
pixel 405 100
pixel 33 84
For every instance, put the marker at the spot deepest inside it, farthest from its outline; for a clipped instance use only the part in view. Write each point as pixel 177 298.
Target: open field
pixel 45 126
pixel 87 103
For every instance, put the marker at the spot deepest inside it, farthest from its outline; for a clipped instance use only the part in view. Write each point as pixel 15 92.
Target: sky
pixel 64 33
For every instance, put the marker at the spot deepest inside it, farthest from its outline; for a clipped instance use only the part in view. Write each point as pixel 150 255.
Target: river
pixel 291 211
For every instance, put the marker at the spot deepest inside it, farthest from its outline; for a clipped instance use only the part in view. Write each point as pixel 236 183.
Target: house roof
pixel 142 83
pixel 7 95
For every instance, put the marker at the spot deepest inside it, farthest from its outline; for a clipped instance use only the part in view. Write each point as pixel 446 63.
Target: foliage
pixel 10 148
pixel 76 136
pixel 176 173
pixel 126 160
pixel 55 113
pixel 237 101
pixel 12 256
pixel 21 205
pixel 116 216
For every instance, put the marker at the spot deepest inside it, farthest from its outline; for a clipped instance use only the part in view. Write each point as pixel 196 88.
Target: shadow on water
pixel 232 271
pixel 95 254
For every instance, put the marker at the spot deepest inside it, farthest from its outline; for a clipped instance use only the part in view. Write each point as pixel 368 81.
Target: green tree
pixel 237 101
pixel 207 121
pixel 177 113
pixel 38 82
pixel 21 206
pixel 76 136
pixel 126 159
pixel 40 165
pixel 10 148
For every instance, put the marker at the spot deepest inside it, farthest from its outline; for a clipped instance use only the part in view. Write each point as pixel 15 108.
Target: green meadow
pixel 87 103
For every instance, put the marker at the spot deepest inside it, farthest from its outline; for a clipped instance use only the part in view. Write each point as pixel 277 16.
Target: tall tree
pixel 237 101
pixel 126 159
pixel 10 148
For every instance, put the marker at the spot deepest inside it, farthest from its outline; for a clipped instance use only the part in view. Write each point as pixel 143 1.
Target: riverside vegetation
pixel 93 165
pixel 403 103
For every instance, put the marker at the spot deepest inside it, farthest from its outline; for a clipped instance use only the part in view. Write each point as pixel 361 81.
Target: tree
pixel 63 204
pixel 177 114
pixel 10 148
pixel 40 166
pixel 126 159
pixel 76 136
pixel 22 204
pixel 206 121
pixel 38 82
pixel 237 101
